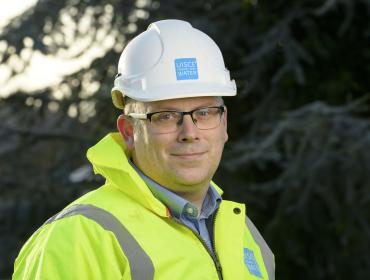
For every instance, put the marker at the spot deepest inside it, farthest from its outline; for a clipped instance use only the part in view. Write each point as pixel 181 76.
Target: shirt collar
pixel 179 206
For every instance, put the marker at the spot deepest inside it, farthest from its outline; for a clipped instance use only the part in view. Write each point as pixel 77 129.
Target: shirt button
pixel 237 210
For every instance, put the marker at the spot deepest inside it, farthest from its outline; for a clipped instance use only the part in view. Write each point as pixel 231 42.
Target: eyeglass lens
pixel 203 118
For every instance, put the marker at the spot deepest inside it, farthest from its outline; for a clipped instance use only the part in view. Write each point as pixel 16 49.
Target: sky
pixel 44 70
pixel 11 8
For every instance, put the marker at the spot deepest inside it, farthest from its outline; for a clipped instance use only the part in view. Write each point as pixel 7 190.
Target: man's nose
pixel 188 130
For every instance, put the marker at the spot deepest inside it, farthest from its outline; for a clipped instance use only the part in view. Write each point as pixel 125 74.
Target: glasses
pixel 169 121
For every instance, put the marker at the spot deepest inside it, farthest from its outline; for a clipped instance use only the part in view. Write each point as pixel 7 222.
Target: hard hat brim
pixel 173 92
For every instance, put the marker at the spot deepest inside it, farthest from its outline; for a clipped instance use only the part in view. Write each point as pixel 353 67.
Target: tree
pixel 298 128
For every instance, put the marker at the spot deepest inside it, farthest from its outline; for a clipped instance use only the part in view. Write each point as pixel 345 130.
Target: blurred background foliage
pixel 298 154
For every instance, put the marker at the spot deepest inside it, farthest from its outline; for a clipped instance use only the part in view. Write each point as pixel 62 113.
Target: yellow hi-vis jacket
pixel 121 231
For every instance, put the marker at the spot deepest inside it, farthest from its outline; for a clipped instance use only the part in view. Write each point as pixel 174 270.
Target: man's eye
pixel 164 116
pixel 202 112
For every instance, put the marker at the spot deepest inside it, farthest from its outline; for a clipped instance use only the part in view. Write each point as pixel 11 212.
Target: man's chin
pixel 192 180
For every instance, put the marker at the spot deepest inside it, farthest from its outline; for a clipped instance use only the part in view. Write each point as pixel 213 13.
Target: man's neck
pixel 195 198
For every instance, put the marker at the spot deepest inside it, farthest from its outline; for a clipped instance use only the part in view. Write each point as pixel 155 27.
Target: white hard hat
pixel 169 60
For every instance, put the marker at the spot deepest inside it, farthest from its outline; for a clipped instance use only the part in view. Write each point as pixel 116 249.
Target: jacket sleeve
pixel 71 248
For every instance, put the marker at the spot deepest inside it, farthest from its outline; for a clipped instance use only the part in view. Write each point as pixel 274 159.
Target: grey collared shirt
pixel 184 211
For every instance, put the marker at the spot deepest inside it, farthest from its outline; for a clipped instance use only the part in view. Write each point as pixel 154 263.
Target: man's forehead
pixel 184 102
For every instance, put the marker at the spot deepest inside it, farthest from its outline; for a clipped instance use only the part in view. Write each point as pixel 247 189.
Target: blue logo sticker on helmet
pixel 251 263
pixel 186 69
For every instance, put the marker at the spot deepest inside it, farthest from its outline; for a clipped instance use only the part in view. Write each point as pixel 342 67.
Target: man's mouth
pixel 189 155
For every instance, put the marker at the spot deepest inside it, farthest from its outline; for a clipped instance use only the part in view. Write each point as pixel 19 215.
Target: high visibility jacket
pixel 121 231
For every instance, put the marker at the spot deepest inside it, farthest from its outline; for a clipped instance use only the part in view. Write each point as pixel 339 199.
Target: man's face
pixel 185 160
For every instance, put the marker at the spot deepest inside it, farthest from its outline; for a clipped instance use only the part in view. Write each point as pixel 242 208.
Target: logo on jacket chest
pixel 251 263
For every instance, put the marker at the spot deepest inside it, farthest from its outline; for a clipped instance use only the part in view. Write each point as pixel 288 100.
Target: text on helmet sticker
pixel 186 69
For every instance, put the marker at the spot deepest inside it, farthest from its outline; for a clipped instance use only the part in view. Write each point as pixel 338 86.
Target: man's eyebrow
pixel 170 108
pixel 164 109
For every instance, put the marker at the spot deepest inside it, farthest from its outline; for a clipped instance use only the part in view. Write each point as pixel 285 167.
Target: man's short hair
pixel 133 106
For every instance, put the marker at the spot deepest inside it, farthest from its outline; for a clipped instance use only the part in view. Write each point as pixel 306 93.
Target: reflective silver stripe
pixel 140 264
pixel 267 255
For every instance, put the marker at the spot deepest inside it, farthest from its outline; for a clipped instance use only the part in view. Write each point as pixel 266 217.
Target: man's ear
pixel 126 129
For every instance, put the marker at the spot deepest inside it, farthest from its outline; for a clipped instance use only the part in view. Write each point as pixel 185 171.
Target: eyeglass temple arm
pixel 138 116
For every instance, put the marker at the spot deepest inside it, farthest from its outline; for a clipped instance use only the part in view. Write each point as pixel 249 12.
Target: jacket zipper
pixel 213 255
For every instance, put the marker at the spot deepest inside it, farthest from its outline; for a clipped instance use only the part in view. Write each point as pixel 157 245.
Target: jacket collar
pixel 109 158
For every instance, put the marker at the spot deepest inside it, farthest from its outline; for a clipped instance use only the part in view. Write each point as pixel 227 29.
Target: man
pixel 159 215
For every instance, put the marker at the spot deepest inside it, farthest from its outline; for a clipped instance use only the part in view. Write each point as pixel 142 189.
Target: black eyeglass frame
pixel 143 116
